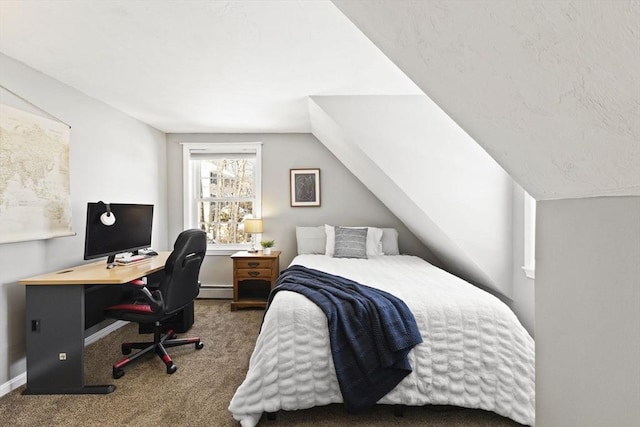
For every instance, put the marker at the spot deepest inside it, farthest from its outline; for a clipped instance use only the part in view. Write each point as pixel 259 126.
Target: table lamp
pixel 253 226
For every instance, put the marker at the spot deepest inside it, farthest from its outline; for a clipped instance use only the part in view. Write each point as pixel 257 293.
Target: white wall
pixel 588 312
pixel 457 199
pixel 344 199
pixel 550 90
pixel 112 158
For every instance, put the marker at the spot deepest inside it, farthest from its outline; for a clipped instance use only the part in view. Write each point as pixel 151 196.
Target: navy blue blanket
pixel 371 332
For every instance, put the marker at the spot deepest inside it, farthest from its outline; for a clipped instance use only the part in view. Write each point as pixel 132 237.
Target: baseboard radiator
pixel 216 291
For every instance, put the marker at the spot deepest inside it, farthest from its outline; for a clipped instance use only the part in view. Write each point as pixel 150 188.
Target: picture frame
pixel 304 187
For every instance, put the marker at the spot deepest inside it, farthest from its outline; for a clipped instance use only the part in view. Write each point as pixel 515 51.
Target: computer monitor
pixel 130 231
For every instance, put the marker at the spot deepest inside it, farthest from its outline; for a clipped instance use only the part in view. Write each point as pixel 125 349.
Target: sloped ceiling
pixel 550 89
pixel 201 65
pixel 448 191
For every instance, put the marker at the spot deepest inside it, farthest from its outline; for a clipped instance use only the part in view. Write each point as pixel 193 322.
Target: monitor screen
pixel 130 231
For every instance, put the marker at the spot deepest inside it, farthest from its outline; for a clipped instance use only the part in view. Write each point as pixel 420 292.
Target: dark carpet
pixel 198 394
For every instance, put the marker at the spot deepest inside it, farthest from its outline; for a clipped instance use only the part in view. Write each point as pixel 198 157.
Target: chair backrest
pixel 180 285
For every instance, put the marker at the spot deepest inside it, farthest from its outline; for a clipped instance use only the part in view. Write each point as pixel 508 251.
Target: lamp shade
pixel 253 225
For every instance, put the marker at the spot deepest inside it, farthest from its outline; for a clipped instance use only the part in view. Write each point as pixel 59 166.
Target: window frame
pixel 529 266
pixel 190 184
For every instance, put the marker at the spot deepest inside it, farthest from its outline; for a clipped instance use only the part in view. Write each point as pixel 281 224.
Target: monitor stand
pixel 111 261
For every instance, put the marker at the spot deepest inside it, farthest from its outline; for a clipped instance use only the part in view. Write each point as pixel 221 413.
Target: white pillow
pixel 310 240
pixel 390 241
pixel 374 240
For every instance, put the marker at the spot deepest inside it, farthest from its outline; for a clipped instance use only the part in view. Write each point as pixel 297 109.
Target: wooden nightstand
pixel 253 277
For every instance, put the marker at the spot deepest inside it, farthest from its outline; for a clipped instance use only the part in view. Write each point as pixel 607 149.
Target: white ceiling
pixel 201 65
pixel 550 89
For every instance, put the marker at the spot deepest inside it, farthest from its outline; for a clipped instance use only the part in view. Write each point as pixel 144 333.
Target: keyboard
pixel 132 259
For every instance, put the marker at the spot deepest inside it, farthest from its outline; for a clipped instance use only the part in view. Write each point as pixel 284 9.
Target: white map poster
pixel 35 200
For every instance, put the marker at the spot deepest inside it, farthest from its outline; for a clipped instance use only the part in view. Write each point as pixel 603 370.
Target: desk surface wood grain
pixel 97 273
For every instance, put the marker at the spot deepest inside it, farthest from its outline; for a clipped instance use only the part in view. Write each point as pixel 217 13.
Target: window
pixel 529 236
pixel 222 187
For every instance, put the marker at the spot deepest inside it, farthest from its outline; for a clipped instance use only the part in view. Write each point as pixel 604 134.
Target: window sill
pixel 529 272
pixel 226 251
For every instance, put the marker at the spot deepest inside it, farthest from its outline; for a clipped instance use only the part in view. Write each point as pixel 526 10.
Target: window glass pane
pixel 222 221
pixel 227 178
pixel 222 187
pixel 208 187
pixel 227 233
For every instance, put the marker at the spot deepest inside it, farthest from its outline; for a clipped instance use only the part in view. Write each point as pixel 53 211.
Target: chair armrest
pixel 154 299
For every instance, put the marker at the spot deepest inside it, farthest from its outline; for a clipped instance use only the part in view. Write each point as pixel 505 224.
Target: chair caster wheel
pixel 117 373
pixel 171 368
pixel 199 345
pixel 126 349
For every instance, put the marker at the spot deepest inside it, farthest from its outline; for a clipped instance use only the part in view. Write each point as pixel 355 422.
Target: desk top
pixel 97 273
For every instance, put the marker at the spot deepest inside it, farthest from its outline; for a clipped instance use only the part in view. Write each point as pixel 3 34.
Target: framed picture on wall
pixel 305 187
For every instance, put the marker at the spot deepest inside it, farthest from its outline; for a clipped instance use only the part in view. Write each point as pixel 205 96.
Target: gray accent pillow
pixel 350 243
pixel 311 240
pixel 390 241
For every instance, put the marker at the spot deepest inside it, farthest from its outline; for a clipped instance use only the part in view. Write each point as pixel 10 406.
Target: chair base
pixel 160 343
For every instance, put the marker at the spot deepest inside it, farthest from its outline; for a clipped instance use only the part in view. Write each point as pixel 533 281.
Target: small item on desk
pixel 111 265
pixel 148 252
pixel 131 259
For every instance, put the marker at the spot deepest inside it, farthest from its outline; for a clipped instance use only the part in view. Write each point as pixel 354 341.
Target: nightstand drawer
pixel 254 273
pixel 253 263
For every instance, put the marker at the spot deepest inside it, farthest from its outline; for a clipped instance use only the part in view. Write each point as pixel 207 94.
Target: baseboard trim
pixel 13 384
pixel 104 332
pixel 216 292
pixel 21 379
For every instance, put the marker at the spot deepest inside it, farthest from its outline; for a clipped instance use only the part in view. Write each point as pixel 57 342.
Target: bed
pixel 475 353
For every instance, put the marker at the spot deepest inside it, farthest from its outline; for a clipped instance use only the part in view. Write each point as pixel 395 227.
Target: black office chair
pixel 178 289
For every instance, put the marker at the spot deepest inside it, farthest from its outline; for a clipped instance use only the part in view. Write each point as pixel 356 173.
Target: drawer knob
pixel 253 264
pixel 254 273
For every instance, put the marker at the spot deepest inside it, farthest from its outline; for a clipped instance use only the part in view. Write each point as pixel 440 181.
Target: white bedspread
pixel 475 352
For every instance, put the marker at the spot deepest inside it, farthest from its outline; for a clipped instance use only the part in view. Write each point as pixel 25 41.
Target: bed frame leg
pixel 271 416
pixel 398 411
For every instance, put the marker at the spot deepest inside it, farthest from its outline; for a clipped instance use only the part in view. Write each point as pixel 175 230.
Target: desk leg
pixel 55 341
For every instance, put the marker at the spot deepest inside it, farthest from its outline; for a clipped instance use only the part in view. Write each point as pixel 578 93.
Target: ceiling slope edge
pixel 548 89
pixel 367 134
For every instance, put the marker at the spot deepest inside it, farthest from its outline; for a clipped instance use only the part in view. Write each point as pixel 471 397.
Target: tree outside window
pixel 226 197
pixel 222 187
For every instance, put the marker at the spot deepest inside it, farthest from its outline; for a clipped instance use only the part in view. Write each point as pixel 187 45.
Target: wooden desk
pixel 55 313
pixel 97 273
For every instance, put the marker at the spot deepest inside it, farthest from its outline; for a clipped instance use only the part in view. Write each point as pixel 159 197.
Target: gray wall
pixel 108 152
pixel 344 200
pixel 588 312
